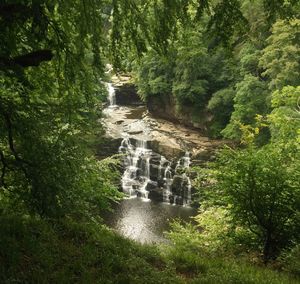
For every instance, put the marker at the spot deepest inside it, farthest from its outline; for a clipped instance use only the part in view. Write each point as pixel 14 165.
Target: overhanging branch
pixel 34 58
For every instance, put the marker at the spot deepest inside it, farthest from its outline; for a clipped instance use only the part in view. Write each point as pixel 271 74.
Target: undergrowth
pixel 38 251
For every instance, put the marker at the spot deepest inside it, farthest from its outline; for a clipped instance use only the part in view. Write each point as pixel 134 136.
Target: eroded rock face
pixel 164 137
pixel 166 107
pixel 166 147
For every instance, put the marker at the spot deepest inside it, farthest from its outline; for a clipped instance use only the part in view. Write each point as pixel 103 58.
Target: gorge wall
pixel 165 106
pixel 161 106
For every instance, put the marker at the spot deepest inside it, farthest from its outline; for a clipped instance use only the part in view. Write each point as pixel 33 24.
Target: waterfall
pixel 182 166
pixel 170 179
pixel 137 168
pixel 111 95
pixel 184 162
pixel 136 179
pixel 187 185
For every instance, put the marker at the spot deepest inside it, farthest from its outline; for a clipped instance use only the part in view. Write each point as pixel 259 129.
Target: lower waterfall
pixel 144 173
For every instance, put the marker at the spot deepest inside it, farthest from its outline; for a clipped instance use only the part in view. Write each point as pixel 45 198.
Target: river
pixel 143 221
pixel 156 176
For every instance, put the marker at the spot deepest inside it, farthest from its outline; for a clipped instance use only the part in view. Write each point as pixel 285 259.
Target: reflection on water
pixel 145 221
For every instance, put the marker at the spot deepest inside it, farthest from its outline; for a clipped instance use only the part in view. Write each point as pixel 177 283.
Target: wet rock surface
pixel 164 137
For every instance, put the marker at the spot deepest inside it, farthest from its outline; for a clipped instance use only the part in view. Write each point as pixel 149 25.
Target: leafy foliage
pixel 262 187
pixel 191 256
pixel 221 104
pixel 290 260
pixel 34 250
pixel 52 58
pixel 284 119
pixel 154 76
pixel 259 186
pixel 281 57
pixel 250 100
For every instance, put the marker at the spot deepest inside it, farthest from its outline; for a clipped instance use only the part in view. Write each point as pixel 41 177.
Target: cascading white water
pixel 111 95
pixel 185 162
pixel 136 177
pixel 182 166
pixel 137 168
pixel 162 162
pixel 140 163
pixel 189 192
pixel 186 183
pixel 168 184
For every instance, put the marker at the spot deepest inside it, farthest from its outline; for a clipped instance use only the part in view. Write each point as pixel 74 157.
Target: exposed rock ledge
pixel 165 138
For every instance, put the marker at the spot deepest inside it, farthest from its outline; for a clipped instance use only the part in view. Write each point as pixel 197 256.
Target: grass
pixel 37 251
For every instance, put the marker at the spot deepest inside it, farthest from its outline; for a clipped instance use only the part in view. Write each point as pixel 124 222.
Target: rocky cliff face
pixel 162 106
pixel 166 107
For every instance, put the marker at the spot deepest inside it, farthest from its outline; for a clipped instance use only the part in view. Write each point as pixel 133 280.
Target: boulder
pixel 156 194
pixel 166 148
pixel 154 172
pixel 177 185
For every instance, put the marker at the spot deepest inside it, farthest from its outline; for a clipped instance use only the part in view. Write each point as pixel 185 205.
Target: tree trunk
pixel 268 247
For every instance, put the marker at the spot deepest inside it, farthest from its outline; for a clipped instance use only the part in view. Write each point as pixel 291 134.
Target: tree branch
pixel 8 11
pixel 31 59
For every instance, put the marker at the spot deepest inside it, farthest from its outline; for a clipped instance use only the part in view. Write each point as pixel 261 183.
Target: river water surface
pixel 143 221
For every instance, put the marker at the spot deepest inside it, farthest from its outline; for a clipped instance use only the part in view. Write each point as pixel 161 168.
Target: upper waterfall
pixel 111 95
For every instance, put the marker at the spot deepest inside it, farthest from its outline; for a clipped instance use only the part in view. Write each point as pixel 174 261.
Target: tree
pixel 51 65
pixel 262 189
pixel 154 75
pixel 49 104
pixel 280 58
pixel 192 71
pixel 250 100
pixel 221 105
pixel 284 120
pixel 261 186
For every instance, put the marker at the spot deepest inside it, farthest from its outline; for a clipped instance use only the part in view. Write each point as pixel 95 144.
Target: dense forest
pixel 229 68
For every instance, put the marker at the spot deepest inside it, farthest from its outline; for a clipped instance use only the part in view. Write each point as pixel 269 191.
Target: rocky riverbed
pixel 165 137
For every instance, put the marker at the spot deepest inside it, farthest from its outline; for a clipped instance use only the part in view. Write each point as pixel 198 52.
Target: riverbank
pixel 36 251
